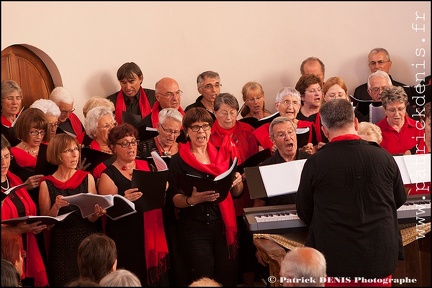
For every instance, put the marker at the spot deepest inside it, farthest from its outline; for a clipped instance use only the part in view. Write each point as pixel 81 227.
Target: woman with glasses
pixel 65 237
pixel 139 237
pixel 254 101
pixel 207 231
pixel 20 204
pixel 52 112
pixel 11 101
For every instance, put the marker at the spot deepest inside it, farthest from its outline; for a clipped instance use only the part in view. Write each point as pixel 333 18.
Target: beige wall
pixel 84 43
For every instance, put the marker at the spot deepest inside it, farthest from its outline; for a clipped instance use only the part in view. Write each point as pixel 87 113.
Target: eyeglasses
pixel 52 125
pixel 11 98
pixel 254 99
pixel 67 111
pixel 36 133
pixel 319 89
pixel 225 114
pixel 282 135
pixel 196 128
pixel 288 103
pixel 169 131
pixel 334 95
pixel 377 89
pixel 70 150
pixel 126 144
pixel 7 157
pixel 210 86
pixel 394 110
pixel 108 126
pixel 172 94
pixel 380 62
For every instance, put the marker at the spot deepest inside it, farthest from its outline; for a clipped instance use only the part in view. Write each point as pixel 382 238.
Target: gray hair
pixel 284 91
pixel 279 120
pixel 393 94
pixel 337 114
pixel 379 50
pixel 47 106
pixel 207 74
pixel 170 113
pixel 120 278
pixel 93 116
pixel 9 86
pixel 226 98
pixel 61 95
pixel 304 263
pixel 379 73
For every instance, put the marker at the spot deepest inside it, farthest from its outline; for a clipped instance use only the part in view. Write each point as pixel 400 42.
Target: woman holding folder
pixel 208 231
pixel 139 237
pixel 18 203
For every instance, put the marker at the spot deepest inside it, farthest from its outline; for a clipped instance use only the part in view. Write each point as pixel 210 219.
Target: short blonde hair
pixel 370 132
pixel 205 282
pixel 96 101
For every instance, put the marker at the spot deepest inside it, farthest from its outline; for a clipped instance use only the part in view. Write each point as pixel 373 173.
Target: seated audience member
pixel 400 132
pixel 378 59
pixel 283 135
pixel 205 282
pixel 120 278
pixel 208 84
pixel 287 103
pixel 168 95
pixel 52 113
pixel 68 120
pixel 303 267
pixel 11 102
pixel 254 101
pixel 131 98
pixel 97 257
pixel 12 250
pixel 310 88
pixel 370 132
pixel 9 275
pixel 140 237
pixel 20 204
pixel 314 66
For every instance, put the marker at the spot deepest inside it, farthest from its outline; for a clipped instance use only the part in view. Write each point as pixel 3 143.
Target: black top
pixel 132 105
pixel 198 103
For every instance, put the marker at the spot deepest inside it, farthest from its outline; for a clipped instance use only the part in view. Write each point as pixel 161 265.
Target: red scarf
pixel 76 124
pixel 72 183
pixel 346 137
pixel 120 106
pixel 34 266
pixel 5 122
pixel 155 245
pixel 219 163
pixel 306 124
pixel 221 136
pixel 22 158
pixel 155 113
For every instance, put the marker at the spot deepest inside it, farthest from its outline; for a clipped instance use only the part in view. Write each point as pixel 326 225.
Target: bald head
pixel 168 93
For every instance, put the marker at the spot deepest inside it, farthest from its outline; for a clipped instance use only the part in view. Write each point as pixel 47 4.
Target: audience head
pixel 303 263
pixel 253 97
pixel 379 59
pixel 310 88
pixel 12 249
pixel 335 88
pixel 169 126
pixel 226 109
pixel 120 278
pixel 288 102
pixel 9 274
pixel 117 138
pixel 30 122
pixel 60 147
pixel 11 98
pixel 208 84
pixel 130 77
pixel 99 121
pixel 283 134
pixel 370 132
pixel 313 65
pixel 337 114
pixel 168 93
pixel 394 100
pixel 97 256
pixel 52 112
pixel 96 101
pixel 205 282
pixel 64 100
pixel 195 120
pixel 377 81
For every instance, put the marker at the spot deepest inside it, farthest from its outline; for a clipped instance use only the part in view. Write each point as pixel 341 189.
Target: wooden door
pixel 29 71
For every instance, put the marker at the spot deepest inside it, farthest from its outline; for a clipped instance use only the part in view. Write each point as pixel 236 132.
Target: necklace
pixel 161 149
pixel 5 187
pixel 126 169
pixel 28 150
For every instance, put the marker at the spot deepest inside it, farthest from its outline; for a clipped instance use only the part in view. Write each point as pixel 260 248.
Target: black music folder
pixel 220 184
pixel 302 136
pixel 254 160
pixel 47 220
pixel 254 122
pixel 42 165
pixel 93 157
pixel 153 185
pixel 11 189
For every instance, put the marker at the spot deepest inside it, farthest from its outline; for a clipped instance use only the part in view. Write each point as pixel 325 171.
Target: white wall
pixel 86 42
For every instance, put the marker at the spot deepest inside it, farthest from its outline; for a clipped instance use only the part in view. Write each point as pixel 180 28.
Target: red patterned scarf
pixel 219 164
pixel 120 106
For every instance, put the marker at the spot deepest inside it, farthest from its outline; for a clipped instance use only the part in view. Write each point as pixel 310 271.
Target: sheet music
pixel 159 162
pixel 376 114
pixel 414 168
